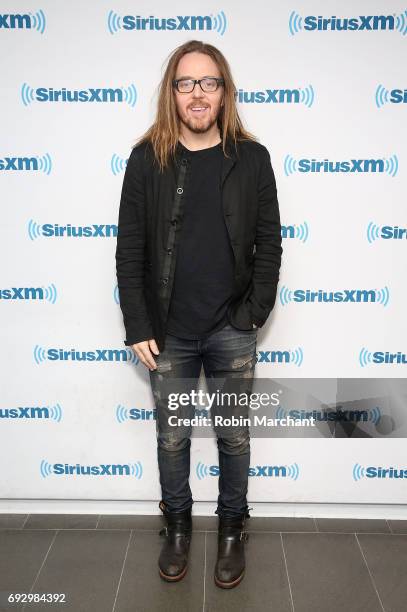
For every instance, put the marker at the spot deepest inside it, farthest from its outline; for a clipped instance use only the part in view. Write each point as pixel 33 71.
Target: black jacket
pixel 149 225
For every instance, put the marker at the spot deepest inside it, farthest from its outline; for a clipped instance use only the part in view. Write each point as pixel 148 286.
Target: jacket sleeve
pixel 267 256
pixel 130 253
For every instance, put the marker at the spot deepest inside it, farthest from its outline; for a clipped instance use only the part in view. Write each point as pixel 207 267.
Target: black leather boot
pixel 230 564
pixel 174 553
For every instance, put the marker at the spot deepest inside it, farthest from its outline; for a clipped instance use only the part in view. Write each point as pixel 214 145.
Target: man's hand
pixel 143 351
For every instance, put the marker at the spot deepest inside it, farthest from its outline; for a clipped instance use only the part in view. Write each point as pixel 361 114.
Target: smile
pixel 199 110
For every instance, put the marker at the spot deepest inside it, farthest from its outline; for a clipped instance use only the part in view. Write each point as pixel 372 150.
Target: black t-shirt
pixel 204 272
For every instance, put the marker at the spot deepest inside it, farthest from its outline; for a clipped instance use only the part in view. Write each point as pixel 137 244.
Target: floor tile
pixel 386 557
pixel 143 590
pixel 86 565
pixel 264 585
pixel 327 573
pixel 61 521
pixel 21 555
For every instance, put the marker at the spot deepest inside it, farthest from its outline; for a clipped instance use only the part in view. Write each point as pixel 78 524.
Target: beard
pixel 197 126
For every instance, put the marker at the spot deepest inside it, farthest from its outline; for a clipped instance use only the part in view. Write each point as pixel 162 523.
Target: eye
pixel 185 84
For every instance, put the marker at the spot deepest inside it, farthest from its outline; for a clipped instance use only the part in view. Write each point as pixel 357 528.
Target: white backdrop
pixel 336 94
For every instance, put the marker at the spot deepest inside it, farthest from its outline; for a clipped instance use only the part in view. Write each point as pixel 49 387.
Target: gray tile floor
pixel 109 564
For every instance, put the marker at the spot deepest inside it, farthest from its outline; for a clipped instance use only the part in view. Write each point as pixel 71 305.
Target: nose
pixel 197 91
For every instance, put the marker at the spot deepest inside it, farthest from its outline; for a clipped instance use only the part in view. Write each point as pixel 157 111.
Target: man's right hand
pixel 143 351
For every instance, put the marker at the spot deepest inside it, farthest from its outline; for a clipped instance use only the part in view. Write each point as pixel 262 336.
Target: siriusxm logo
pixel 359 472
pixel 385 232
pixel 48 294
pixel 305 165
pixel 23 21
pixel 53 413
pixel 300 231
pixel 27 164
pixel 374 296
pixel 90 95
pixel 185 23
pixel 277 96
pixel 394 96
pixel 365 23
pixel 295 356
pixel 54 230
pixel 380 357
pixel 134 414
pixel 338 415
pixel 104 469
pixel 141 414
pixel 261 471
pixel 59 354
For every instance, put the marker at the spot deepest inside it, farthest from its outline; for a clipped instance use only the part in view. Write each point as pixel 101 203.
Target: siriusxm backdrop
pixel 322 84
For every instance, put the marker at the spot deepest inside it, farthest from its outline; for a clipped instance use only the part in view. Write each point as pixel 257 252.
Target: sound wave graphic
pixel 45 468
pixel 27 94
pixel 365 357
pixel 294 23
pixel 382 96
pixel 34 229
pixel 55 412
pixel 45 163
pixel 392 165
pixel 290 165
pixel 202 470
pixel 358 472
pixel 302 231
pixel 38 21
pixel 50 293
pixel 401 23
pixel 219 22
pixel 293 471
pixel 136 469
pixel 372 232
pixel 382 295
pixel 281 413
pixel 40 354
pixel 122 414
pixel 132 357
pixel 118 164
pixel 286 295
pixel 296 356
pixel 307 96
pixel 114 23
pixel 130 94
pixel 375 415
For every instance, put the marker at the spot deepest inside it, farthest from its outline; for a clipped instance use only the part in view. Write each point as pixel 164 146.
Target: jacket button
pixel 184 162
pixel 180 190
pixel 169 251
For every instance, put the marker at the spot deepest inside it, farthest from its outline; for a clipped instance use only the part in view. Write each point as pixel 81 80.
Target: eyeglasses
pixel 207 84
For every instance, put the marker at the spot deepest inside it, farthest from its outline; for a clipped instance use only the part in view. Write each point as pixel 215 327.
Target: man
pixel 198 258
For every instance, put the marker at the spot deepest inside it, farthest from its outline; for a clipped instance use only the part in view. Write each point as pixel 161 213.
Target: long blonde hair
pixel 163 134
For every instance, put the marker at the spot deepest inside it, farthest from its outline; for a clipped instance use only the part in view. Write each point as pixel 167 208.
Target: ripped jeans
pixel 228 357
